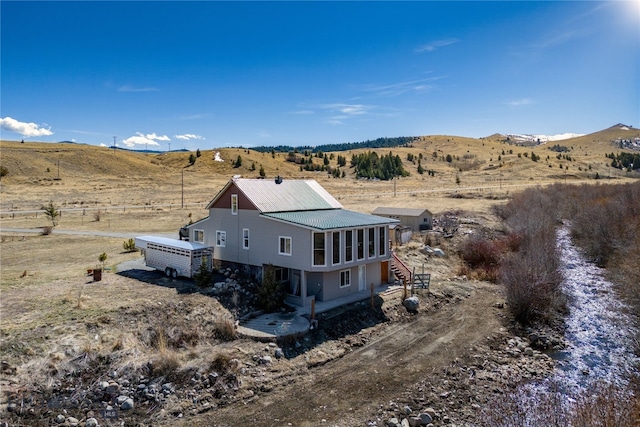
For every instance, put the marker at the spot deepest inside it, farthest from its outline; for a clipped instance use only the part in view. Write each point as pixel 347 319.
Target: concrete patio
pixel 271 326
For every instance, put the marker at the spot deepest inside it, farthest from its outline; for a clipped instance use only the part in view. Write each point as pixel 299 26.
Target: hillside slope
pixel 471 160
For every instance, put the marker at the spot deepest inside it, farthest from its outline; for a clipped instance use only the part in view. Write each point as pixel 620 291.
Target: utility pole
pixel 182 205
pixel 114 145
pixel 169 147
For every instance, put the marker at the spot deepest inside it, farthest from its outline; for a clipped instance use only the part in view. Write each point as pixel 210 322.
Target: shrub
pixel 270 293
pixel 204 275
pixel 3 171
pixel 51 212
pixel 129 245
pixel 221 363
pixel 225 329
pixel 482 256
pixel 601 404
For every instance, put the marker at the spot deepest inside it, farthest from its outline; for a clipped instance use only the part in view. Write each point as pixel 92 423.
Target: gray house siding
pixel 237 208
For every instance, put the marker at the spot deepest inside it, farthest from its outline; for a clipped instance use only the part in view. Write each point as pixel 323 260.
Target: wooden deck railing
pixel 400 269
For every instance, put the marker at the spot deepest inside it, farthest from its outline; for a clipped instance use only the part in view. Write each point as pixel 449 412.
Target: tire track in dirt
pixel 350 389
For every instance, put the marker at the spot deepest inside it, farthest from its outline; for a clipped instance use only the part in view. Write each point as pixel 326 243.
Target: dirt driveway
pixel 351 389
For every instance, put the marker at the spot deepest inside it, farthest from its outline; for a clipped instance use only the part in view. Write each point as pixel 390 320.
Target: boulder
pixel 411 304
pixel 127 404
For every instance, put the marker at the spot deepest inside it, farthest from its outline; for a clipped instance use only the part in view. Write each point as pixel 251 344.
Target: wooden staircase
pixel 400 271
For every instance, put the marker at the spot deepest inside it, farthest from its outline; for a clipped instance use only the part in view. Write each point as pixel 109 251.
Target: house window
pixel 360 237
pixel 348 246
pixel 318 248
pixel 245 238
pixel 198 236
pixel 335 254
pixel 282 274
pixel 345 278
pixel 372 242
pixel 234 204
pixel 221 238
pixel 382 243
pixel 285 245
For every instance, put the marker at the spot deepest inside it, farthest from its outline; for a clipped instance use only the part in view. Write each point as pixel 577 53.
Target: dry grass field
pixel 55 320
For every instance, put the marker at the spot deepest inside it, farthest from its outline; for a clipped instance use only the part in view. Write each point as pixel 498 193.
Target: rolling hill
pixel 472 158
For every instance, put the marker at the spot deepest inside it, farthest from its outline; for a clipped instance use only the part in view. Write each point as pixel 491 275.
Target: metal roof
pixel 141 242
pixel 329 219
pixel 289 195
pixel 400 211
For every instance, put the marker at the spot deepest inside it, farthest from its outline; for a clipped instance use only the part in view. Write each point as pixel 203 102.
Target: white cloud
pixel 434 45
pixel 519 102
pixel 342 112
pixel 349 109
pixel 393 89
pixel 188 136
pixel 156 137
pixel 264 134
pixel 141 139
pixel 24 128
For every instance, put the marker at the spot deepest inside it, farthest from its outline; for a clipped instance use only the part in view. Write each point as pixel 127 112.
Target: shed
pixel 415 218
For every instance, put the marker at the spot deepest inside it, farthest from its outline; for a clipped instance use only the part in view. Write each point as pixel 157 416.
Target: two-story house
pixel 319 249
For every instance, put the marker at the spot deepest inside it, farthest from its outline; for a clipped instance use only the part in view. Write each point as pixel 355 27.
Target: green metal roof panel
pixel 330 219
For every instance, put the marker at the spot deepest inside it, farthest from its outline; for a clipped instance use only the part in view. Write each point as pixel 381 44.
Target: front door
pixel 384 272
pixel 362 279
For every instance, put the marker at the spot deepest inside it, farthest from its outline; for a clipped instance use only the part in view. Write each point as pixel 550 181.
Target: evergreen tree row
pixel 370 165
pixel 630 161
pixel 399 141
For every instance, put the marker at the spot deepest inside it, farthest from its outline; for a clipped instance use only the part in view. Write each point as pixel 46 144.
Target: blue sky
pixel 214 74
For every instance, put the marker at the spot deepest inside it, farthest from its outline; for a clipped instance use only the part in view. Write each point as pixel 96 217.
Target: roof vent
pixel 278 179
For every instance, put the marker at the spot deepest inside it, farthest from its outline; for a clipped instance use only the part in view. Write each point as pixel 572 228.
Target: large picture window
pixel 348 246
pixel 383 241
pixel 360 243
pixel 318 249
pixel 285 245
pixel 372 242
pixel 335 253
pixel 221 238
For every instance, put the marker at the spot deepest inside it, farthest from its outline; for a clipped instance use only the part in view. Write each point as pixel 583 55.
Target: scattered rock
pixel 127 404
pixel 412 304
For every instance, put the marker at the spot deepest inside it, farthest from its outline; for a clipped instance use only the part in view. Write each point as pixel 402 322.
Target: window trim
pixel 195 235
pixel 348 246
pixel 371 242
pixel 285 239
pixel 333 247
pixel 323 249
pixel 382 243
pixel 234 204
pixel 221 239
pixel 345 274
pixel 358 241
pixel 245 238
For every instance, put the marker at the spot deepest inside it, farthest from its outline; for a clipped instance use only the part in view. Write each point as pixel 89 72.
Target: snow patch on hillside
pixel 541 139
